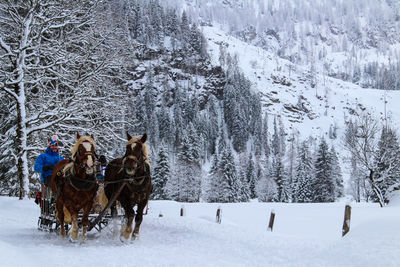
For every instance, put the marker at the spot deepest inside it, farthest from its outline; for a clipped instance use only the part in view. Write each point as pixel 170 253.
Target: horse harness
pixel 78 183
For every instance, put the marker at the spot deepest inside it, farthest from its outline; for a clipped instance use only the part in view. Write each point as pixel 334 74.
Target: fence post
pixel 219 215
pixel 271 221
pixel 346 221
pixel 182 211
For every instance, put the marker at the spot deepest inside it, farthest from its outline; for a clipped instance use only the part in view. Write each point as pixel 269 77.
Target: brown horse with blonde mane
pixel 132 172
pixel 74 186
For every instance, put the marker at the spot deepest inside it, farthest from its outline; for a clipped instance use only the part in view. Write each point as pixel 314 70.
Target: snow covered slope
pixel 282 85
pixel 303 235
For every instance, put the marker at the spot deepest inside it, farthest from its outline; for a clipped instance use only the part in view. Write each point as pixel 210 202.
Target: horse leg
pixel 74 231
pixel 138 219
pixel 85 219
pixel 60 216
pixel 127 229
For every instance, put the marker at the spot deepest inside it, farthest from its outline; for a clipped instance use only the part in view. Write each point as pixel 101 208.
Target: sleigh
pixel 48 221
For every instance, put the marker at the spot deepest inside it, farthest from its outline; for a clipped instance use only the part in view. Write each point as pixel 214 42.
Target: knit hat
pixel 53 141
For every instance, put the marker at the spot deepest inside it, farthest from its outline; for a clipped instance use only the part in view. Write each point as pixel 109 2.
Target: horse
pixel 132 171
pixel 74 186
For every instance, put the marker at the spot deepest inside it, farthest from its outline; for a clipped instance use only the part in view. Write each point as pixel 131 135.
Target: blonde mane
pixel 74 149
pixel 145 149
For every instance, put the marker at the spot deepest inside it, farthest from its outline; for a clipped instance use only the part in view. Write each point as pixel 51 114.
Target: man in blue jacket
pixel 47 160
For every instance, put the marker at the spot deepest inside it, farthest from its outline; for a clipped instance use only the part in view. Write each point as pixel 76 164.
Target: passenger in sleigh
pixel 47 160
pixel 44 164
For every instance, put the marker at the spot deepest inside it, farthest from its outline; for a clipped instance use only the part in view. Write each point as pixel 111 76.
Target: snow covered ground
pixel 303 235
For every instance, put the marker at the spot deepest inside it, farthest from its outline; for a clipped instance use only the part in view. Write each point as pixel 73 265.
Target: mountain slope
pixel 282 85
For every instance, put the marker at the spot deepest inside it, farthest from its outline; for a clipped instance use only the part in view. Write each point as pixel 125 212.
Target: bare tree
pixel 361 141
pixel 53 62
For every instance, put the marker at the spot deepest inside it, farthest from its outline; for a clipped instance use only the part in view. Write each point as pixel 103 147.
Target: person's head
pixel 53 143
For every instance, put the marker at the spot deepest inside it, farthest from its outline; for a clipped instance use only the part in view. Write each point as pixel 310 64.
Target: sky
pixel 303 235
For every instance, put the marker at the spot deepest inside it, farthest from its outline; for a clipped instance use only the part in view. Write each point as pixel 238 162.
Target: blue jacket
pixel 47 158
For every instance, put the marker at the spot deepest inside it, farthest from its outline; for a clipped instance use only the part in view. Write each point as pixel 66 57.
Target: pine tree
pixel 387 175
pixel 279 175
pixel 161 174
pixel 265 136
pixel 244 193
pixel 337 174
pixel 278 172
pixel 230 184
pixel 275 143
pixel 304 177
pixel 251 178
pixel 324 186
pixel 213 193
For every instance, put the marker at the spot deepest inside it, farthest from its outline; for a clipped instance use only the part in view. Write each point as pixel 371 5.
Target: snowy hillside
pixel 282 85
pixel 303 235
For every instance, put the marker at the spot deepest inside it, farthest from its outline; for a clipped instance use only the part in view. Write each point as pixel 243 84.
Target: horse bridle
pixel 140 162
pixel 87 153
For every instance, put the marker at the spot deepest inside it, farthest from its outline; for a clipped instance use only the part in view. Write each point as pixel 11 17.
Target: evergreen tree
pixel 388 162
pixel 279 175
pixel 251 178
pixel 337 174
pixel 324 186
pixel 230 184
pixel 161 174
pixel 278 172
pixel 275 143
pixel 265 136
pixel 304 177
pixel 244 193
pixel 213 193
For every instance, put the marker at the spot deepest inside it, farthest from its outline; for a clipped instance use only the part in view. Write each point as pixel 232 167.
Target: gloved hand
pixel 48 168
pixel 103 160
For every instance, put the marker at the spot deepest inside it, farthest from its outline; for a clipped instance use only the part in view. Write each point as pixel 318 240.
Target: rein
pixel 130 180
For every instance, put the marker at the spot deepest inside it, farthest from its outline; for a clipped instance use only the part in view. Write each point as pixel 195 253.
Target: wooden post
pixel 219 215
pixel 346 221
pixel 271 221
pixel 182 211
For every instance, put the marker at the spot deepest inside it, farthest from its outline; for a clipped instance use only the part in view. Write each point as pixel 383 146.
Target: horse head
pixel 83 154
pixel 136 154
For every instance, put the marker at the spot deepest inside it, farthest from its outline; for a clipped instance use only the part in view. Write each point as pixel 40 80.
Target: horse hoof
pixel 135 237
pixel 72 240
pixel 123 239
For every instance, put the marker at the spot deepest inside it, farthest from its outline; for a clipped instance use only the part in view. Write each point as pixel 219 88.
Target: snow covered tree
pixel 251 178
pixel 279 175
pixel 184 184
pixel 337 174
pixel 265 136
pixel 51 56
pixel 230 185
pixel 266 188
pixel 324 183
pixel 387 174
pixel 161 174
pixel 360 140
pixel 357 182
pixel 277 171
pixel 304 175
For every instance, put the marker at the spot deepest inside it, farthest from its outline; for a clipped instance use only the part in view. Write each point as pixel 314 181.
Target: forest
pixel 110 67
